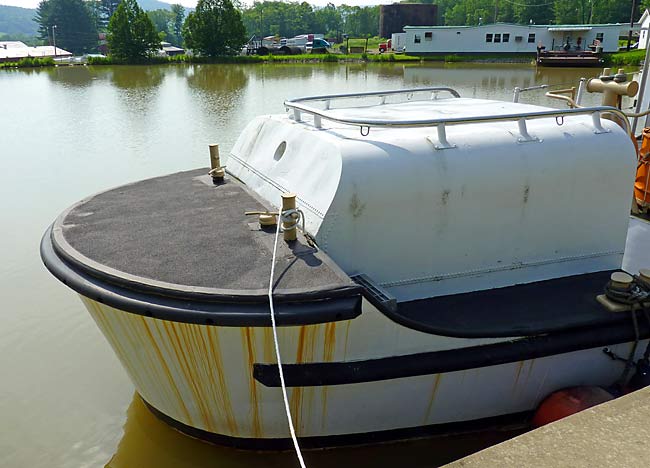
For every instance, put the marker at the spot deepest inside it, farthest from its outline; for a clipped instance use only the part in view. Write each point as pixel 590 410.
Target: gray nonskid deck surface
pixel 182 230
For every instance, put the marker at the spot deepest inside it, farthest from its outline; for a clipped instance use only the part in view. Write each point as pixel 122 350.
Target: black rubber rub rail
pixel 202 310
pixel 437 362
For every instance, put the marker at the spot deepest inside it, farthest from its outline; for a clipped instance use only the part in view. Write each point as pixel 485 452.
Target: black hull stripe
pixel 512 422
pixel 437 362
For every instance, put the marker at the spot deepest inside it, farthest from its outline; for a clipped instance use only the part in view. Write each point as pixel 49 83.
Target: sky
pixel 192 3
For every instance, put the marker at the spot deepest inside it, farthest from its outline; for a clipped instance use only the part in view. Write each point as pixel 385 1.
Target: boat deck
pixel 541 307
pixel 179 237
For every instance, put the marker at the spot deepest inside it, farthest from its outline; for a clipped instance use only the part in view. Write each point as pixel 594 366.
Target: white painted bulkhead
pixel 492 211
pixel 644 24
pixel 508 38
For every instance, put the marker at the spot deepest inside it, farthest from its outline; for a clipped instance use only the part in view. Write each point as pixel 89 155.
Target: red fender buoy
pixel 568 401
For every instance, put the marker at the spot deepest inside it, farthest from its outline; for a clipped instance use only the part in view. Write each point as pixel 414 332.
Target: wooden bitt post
pixel 289 203
pixel 216 170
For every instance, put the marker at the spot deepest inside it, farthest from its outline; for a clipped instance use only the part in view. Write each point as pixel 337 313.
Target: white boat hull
pixel 202 376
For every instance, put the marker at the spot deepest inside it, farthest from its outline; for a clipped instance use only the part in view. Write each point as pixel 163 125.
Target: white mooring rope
pixel 277 346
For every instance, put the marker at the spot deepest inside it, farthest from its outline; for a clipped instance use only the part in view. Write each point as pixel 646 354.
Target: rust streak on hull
pixel 432 398
pixel 166 370
pixel 215 351
pixel 249 350
pixel 178 348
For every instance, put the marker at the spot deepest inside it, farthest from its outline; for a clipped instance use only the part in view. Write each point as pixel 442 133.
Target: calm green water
pixel 69 132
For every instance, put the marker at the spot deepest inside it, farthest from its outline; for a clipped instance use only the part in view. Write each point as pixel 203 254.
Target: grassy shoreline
pixel 632 58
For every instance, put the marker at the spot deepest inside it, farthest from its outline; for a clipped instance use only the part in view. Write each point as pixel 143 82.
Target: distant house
pixel 168 50
pixel 508 38
pixel 12 51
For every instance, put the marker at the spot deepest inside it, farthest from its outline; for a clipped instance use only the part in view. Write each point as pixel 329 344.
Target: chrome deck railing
pixel 298 108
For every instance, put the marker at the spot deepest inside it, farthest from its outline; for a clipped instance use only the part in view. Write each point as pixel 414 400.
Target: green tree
pixel 106 8
pixel 161 20
pixel 178 17
pixel 214 28
pixel 327 20
pixel 72 22
pixel 131 34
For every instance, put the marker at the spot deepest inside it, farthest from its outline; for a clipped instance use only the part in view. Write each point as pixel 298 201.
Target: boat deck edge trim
pixel 199 310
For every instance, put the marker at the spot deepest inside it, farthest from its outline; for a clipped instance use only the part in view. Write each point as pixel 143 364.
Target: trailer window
pixel 416 39
pixel 428 36
pixel 497 38
pixel 531 38
pixel 506 37
pixel 599 37
pixel 488 38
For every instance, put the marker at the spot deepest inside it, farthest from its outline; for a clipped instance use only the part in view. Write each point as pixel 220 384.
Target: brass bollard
pixel 621 281
pixel 611 89
pixel 217 171
pixel 289 203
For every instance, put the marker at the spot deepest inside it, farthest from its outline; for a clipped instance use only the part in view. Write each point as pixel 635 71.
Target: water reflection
pixel 137 76
pixel 216 78
pixel 150 443
pixel 72 76
pixel 281 72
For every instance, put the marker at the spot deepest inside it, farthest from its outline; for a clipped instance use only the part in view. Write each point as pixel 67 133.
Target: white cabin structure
pixel 508 38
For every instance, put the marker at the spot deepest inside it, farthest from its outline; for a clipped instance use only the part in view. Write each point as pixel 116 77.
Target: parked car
pixel 317 46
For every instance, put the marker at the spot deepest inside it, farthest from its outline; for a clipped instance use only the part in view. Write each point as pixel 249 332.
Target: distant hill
pixel 19 21
pixel 148 5
pixel 16 20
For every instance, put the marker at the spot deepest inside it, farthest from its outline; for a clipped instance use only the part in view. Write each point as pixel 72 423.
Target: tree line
pixel 288 19
pixel 219 27
pixel 473 12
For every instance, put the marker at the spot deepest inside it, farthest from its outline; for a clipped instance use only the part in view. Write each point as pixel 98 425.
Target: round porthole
pixel 279 151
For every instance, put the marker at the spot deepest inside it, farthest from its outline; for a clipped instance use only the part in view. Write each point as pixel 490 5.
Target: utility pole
pixel 496 10
pixel 632 14
pixel 54 38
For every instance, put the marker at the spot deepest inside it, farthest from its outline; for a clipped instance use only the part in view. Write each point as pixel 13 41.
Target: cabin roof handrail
pixel 319 115
pixel 328 97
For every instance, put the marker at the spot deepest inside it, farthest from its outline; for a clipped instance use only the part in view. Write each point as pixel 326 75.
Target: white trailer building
pixel 508 38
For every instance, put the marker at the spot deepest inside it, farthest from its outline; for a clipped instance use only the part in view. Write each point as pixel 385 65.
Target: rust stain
pixel 197 370
pixel 323 418
pixel 143 368
pixel 296 405
pixel 432 398
pixel 296 394
pixel 520 366
pixel 183 359
pixel 249 350
pixel 329 345
pixel 301 344
pixel 329 342
pixel 225 396
pixel 269 347
pixel 166 370
pixel 209 370
pixel 347 335
pixel 530 371
pixel 304 353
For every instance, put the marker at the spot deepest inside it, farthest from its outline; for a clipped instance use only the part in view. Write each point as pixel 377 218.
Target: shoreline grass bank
pixel 632 58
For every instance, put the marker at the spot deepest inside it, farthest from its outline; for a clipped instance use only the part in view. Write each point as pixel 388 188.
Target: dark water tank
pixel 393 18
